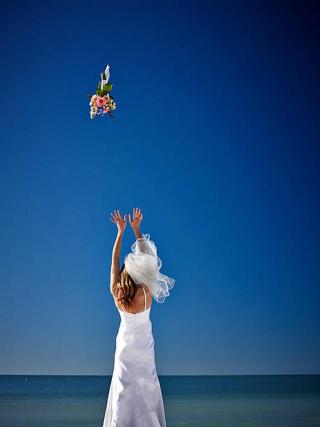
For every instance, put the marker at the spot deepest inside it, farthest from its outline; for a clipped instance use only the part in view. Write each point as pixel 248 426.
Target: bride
pixel 135 398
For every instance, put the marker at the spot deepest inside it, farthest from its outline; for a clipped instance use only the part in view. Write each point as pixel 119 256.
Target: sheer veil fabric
pixel 143 265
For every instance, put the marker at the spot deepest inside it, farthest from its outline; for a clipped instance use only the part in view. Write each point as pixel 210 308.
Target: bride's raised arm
pixel 135 225
pixel 115 266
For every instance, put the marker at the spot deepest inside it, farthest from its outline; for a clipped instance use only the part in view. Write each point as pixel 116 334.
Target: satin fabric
pixel 135 398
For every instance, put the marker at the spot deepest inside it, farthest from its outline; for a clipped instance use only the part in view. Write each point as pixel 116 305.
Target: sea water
pixel 190 401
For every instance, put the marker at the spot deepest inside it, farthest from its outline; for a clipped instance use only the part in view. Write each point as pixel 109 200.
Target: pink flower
pixel 101 101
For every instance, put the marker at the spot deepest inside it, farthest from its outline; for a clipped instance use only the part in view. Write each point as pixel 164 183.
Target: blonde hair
pixel 126 288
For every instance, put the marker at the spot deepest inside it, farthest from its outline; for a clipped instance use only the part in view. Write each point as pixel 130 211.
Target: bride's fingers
pixel 115 217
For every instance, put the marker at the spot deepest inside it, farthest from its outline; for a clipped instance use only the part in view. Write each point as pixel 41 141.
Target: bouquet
pixel 101 102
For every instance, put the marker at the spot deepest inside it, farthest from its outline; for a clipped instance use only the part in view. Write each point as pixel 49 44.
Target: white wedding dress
pixel 135 398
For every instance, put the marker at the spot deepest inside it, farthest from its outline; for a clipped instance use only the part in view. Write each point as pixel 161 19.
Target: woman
pixel 135 398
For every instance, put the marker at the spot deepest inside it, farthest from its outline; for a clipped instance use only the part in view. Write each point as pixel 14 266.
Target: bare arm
pixel 115 266
pixel 115 262
pixel 137 233
pixel 135 225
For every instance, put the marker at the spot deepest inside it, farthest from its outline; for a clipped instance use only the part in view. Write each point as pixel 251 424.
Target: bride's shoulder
pixel 146 289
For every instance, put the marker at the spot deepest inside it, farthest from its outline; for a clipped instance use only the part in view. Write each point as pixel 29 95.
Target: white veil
pixel 143 265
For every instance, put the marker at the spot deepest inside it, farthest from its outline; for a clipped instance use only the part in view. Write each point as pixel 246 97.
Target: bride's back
pixel 138 303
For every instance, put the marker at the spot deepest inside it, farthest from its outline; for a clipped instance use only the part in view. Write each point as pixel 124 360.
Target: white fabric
pixel 135 398
pixel 143 265
pixel 105 74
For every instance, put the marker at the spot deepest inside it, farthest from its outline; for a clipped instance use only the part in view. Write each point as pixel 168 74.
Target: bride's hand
pixel 120 222
pixel 136 220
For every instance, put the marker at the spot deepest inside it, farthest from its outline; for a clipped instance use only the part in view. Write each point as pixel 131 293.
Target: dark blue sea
pixel 190 401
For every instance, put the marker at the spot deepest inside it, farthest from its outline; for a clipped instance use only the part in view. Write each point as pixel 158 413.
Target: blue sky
pixel 216 139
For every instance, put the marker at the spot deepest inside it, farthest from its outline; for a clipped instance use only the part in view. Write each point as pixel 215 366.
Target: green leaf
pixel 107 87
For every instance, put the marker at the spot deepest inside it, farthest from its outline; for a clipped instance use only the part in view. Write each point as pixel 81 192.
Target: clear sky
pixel 216 139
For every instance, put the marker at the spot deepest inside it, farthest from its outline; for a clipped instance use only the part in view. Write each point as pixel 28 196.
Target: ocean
pixel 190 401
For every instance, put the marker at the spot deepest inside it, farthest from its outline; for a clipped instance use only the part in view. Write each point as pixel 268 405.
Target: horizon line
pixel 160 375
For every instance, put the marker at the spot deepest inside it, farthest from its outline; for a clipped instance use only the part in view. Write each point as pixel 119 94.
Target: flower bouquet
pixel 101 102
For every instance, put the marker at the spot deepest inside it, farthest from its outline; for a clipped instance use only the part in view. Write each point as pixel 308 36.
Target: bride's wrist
pixel 137 233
